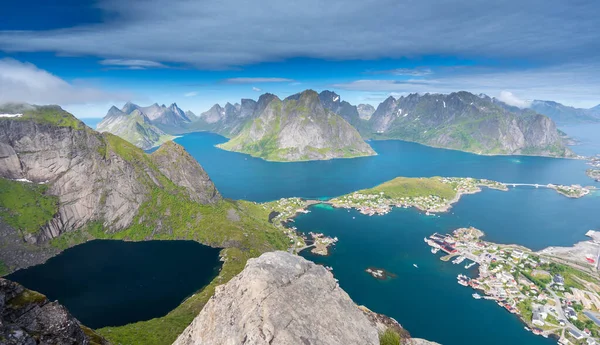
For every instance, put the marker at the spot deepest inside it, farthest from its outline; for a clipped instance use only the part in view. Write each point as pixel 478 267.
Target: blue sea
pixel 426 300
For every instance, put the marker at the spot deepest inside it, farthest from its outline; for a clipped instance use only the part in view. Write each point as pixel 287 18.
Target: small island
pixel 574 191
pixel 380 273
pixel 555 292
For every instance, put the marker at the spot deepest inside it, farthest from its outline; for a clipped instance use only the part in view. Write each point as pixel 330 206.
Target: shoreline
pixel 540 289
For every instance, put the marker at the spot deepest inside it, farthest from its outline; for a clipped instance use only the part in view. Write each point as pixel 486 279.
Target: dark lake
pixel 113 283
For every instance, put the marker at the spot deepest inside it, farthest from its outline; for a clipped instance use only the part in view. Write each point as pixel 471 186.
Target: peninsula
pixel 555 292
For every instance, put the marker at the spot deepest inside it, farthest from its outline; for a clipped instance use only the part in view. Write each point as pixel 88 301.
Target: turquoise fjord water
pixel 113 283
pixel 240 176
pixel 427 300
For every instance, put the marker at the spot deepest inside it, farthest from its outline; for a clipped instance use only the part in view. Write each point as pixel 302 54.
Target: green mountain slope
pixel 298 128
pixel 464 121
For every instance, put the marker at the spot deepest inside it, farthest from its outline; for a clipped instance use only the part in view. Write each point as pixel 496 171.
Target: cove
pixel 113 283
pixel 427 300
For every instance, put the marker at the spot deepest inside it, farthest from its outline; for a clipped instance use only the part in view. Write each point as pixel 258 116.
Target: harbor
pixel 551 298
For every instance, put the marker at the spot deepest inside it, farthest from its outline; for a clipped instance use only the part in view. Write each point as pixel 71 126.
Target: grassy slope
pixel 413 187
pixel 240 226
pixel 25 206
pixel 52 115
pixel 268 148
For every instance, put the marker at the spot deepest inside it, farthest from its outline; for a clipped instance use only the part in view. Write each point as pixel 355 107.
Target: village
pixel 553 293
pixel 282 214
pixel 380 203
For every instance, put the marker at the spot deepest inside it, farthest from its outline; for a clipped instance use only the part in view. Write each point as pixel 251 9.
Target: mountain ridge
pixel 297 128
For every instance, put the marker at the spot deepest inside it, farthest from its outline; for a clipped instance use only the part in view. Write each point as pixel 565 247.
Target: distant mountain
pixel 365 111
pixel 297 128
pixel 467 122
pixel 349 112
pixel 562 114
pixel 134 125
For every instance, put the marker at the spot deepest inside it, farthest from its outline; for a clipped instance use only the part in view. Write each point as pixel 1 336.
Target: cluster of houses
pixel 506 275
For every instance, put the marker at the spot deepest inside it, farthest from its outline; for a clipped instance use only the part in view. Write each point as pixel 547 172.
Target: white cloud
pixel 254 88
pixel 191 94
pixel 256 80
pixel 572 84
pixel 413 72
pixel 132 64
pixel 511 99
pixel 536 30
pixel 24 82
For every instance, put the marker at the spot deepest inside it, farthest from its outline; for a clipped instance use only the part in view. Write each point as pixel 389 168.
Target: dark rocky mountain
pixel 297 128
pixel 464 121
pixel 562 114
pixel 281 298
pixel 28 318
pixel 332 101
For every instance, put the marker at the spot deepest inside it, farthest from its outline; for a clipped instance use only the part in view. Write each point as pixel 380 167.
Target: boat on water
pixel 458 260
pixel 415 265
pixel 527 329
pixel 467 266
pixel 476 296
pixel 435 250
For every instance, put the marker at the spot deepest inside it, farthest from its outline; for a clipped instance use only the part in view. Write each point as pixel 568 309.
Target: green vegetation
pixel 25 298
pixel 4 270
pixel 526 309
pixel 389 337
pixel 25 206
pixel 538 280
pixel 402 187
pixel 48 114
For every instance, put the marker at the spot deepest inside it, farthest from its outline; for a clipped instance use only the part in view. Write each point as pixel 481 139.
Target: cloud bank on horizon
pixel 530 49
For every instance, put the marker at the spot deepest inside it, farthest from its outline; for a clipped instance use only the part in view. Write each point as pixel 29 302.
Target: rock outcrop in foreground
pixel 27 317
pixel 282 299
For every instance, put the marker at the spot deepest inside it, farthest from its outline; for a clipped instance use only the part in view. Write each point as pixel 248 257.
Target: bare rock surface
pixel 28 318
pixel 283 299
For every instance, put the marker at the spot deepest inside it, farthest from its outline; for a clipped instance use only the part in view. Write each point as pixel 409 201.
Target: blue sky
pixel 88 55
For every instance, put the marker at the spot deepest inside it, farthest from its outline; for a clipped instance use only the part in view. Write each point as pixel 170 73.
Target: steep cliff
pixel 333 102
pixel 284 299
pixel 27 317
pixel 464 121
pixel 297 128
pixel 94 177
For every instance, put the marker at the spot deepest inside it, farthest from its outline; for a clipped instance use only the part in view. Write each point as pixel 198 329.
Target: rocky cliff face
pixel 28 318
pixel 467 122
pixel 298 128
pixel 284 299
pixel 134 127
pixel 333 102
pixel 97 177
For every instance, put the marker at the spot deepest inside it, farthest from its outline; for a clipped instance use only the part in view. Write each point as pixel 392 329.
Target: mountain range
pixel 275 129
pixel 565 115
pixel 297 128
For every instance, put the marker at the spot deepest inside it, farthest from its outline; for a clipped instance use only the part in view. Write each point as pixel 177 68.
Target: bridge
pixel 536 185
